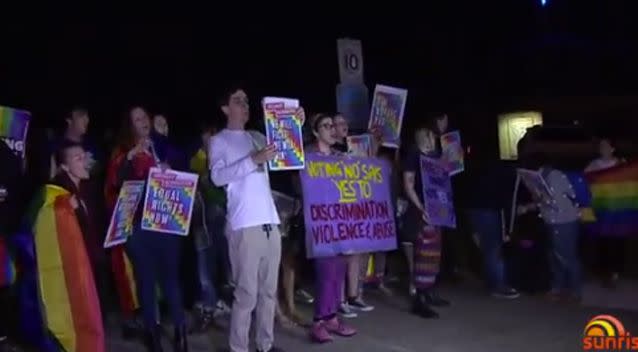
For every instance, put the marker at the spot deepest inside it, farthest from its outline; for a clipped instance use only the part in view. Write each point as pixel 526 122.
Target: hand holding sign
pixel 264 155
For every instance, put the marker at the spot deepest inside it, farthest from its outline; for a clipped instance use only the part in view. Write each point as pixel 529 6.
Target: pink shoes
pixel 337 327
pixel 319 333
pixel 321 330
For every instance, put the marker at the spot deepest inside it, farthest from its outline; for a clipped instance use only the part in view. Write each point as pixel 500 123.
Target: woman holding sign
pixel 421 242
pixel 330 271
pixel 155 256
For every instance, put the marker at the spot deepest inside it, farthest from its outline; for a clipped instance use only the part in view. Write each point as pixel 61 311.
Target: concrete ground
pixel 475 322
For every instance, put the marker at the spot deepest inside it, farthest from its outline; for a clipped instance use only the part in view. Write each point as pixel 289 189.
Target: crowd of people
pixel 248 249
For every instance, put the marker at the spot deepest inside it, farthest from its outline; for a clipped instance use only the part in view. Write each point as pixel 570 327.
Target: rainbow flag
pixel 8 272
pixel 14 125
pixel 60 310
pixel 615 200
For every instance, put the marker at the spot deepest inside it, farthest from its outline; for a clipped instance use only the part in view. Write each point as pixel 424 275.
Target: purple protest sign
pixel 437 192
pixel 347 205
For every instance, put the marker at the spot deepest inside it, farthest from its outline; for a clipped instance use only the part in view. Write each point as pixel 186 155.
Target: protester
pixel 342 130
pixel 330 271
pixel 490 190
pixel 288 191
pixel 611 249
pixel 65 287
pixel 155 256
pixel 11 190
pixel 356 264
pixel 75 131
pixel 207 227
pixel 561 216
pixel 237 162
pixel 421 241
pixel 160 125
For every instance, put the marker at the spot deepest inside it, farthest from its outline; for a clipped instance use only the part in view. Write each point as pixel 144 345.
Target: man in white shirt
pixel 237 162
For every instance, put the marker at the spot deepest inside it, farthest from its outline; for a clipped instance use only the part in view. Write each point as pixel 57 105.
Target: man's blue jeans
pixel 564 260
pixel 487 225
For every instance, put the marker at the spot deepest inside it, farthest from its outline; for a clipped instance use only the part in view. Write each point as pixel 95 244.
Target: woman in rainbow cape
pixel 60 309
pixel 613 185
pixel 154 256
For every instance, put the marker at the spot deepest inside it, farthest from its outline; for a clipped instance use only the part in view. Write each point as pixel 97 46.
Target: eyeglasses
pixel 327 126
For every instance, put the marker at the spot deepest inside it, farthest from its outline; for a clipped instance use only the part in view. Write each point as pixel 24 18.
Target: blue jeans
pixel 156 259
pixel 486 223
pixel 211 258
pixel 564 260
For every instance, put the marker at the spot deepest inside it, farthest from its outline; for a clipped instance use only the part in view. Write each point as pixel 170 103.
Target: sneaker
pixel 319 333
pixel 384 289
pixel 360 305
pixel 422 309
pixel 346 312
pixel 205 320
pixel 506 293
pixel 222 309
pixel 336 326
pixel 432 298
pixel 304 297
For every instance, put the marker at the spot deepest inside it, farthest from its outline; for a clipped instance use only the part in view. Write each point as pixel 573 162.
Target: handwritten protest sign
pixel 14 125
pixel 168 204
pixel 534 182
pixel 121 225
pixel 360 145
pixel 453 152
pixel 437 193
pixel 284 130
pixel 347 206
pixel 388 105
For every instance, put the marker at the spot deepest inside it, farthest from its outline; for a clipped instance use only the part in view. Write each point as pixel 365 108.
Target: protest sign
pixel 168 204
pixel 121 225
pixel 360 145
pixel 535 184
pixel 347 206
pixel 437 193
pixel 388 105
pixel 14 125
pixel 453 152
pixel 284 130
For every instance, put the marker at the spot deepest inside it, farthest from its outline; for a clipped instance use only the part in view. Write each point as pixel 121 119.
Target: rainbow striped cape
pixel 60 310
pixel 614 200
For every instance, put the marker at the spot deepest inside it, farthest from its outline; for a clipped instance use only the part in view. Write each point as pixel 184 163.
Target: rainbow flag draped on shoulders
pixel 59 307
pixel 614 200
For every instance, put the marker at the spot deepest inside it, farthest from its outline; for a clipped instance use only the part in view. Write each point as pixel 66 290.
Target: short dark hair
pixel 60 153
pixel 224 98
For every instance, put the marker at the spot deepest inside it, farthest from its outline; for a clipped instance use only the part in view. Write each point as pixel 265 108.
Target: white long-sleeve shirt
pixel 250 201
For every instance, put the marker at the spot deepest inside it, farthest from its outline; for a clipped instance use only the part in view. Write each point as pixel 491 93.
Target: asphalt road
pixel 475 322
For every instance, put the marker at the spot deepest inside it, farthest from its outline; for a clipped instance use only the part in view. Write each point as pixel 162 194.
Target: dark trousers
pixel 487 225
pixel 612 254
pixel 156 258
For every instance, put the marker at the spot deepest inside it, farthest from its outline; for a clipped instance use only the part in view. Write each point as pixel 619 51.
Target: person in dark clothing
pixel 155 256
pixel 10 211
pixel 488 203
pixel 421 241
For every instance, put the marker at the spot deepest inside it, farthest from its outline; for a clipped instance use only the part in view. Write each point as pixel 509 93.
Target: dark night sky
pixel 458 56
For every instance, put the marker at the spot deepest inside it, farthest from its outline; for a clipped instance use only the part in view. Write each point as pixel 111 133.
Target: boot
pixel 432 298
pixel 153 340
pixel 180 342
pixel 422 309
